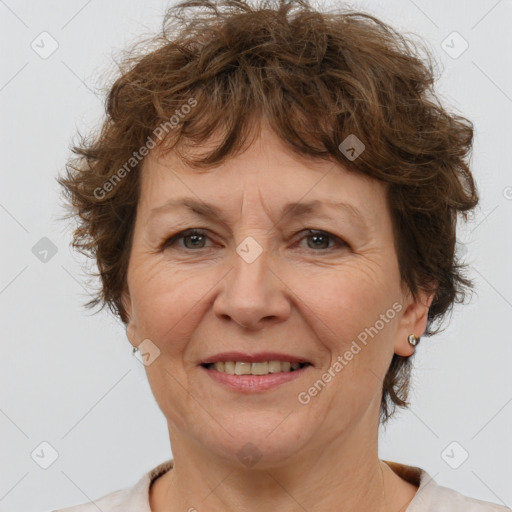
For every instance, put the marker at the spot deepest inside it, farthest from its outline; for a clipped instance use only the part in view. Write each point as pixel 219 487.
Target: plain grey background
pixel 68 378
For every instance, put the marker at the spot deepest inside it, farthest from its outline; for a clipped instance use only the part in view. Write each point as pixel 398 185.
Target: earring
pixel 135 350
pixel 413 340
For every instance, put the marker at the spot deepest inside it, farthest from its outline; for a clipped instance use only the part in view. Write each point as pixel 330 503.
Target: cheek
pixel 350 312
pixel 166 303
pixel 346 299
pixel 344 315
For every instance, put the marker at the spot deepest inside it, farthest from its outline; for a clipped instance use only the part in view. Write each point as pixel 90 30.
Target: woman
pixel 272 203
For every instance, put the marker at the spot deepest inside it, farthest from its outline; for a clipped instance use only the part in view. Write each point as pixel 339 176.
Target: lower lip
pixel 254 383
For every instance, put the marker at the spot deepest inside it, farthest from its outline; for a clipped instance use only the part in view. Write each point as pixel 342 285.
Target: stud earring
pixel 413 340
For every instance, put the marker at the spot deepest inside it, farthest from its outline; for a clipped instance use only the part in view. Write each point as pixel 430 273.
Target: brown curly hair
pixel 315 77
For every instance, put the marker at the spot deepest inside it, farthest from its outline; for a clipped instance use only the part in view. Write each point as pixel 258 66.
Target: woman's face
pixel 256 281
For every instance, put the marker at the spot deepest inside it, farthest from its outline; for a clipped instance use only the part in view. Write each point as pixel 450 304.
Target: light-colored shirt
pixel 430 496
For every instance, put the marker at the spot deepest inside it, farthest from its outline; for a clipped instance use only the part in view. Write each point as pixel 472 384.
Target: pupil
pixel 194 238
pixel 316 238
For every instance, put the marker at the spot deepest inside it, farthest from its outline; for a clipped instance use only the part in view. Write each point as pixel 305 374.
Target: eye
pixel 197 236
pixel 320 238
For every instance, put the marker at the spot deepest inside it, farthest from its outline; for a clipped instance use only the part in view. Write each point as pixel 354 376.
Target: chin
pixel 257 443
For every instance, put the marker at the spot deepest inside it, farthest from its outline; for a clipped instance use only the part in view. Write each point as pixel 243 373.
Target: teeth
pixel 260 368
pixel 242 368
pixel 274 366
pixel 229 367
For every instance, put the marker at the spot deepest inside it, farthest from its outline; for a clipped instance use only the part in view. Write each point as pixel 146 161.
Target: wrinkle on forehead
pixel 240 184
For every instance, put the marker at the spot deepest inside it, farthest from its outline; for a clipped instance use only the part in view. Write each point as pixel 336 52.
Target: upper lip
pixel 253 358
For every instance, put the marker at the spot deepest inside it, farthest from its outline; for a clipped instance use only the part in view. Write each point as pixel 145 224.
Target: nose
pixel 253 295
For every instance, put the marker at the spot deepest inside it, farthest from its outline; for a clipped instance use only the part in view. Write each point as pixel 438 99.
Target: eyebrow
pixel 299 209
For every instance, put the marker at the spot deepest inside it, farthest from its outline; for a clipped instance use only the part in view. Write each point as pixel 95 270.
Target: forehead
pixel 266 173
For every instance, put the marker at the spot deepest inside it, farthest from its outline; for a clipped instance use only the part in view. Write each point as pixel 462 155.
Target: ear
pixel 413 321
pixel 127 305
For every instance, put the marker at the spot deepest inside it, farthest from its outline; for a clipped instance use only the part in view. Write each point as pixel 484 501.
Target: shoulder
pixel 131 499
pixel 107 503
pixel 443 499
pixel 432 496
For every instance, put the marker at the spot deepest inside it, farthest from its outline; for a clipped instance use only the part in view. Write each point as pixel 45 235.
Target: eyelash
pixel 169 242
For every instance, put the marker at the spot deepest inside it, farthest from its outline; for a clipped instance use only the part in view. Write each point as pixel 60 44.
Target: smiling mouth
pixel 259 368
